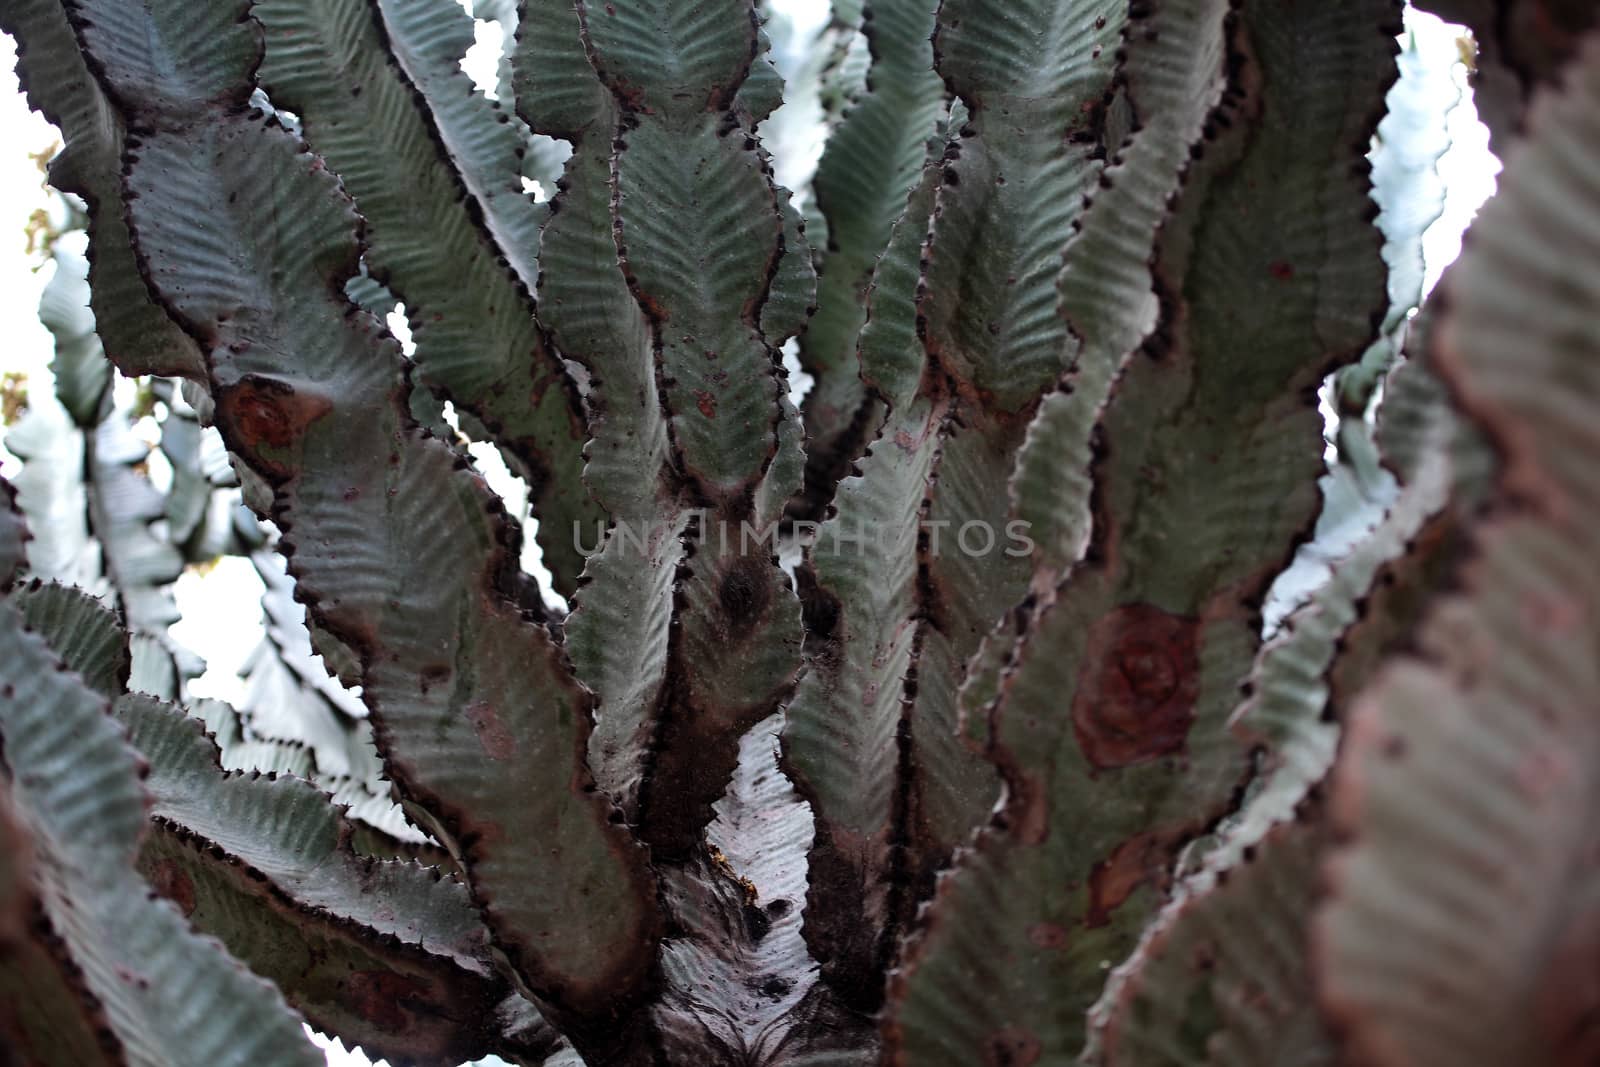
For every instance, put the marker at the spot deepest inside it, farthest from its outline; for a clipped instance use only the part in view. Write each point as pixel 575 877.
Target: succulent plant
pixel 956 711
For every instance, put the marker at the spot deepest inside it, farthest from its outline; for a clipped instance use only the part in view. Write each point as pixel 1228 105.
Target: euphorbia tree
pixel 934 721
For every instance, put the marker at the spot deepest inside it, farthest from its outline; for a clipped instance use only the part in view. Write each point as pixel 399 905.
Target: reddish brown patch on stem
pixel 1048 935
pixel 1012 1047
pixel 1137 702
pixel 497 742
pixel 706 403
pixel 264 413
pixel 379 996
pixel 1030 808
pixel 1136 861
pixel 1282 270
pixel 172 882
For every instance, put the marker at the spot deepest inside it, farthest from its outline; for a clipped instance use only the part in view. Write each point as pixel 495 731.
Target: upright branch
pixel 1116 694
pixel 398 548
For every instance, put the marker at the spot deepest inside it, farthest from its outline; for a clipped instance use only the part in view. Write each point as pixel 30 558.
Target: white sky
pixel 24 344
pixel 214 625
